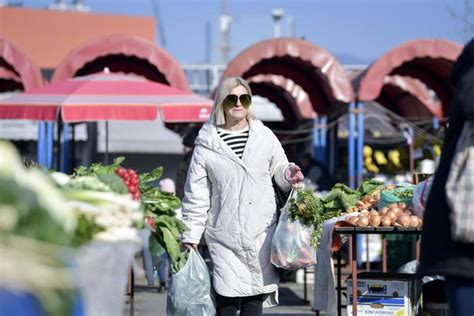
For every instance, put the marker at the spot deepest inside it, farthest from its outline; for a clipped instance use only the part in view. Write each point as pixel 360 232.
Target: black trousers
pixel 249 305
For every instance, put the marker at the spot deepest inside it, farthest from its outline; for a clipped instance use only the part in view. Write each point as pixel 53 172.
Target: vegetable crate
pixel 394 294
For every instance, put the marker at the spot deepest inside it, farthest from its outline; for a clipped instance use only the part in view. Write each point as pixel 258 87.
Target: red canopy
pixel 106 96
pixel 16 66
pixel 428 60
pixel 123 53
pixel 298 102
pixel 312 68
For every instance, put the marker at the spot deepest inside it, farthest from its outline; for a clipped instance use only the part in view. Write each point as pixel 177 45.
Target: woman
pixel 440 253
pixel 229 194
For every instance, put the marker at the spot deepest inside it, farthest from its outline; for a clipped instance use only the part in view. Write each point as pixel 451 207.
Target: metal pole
pixel 339 290
pixel 73 146
pixel 332 149
pixel 323 137
pixel 49 144
pixel 58 145
pixel 354 274
pixel 351 145
pixel 65 151
pixel 316 144
pixel 40 144
pixel 360 141
pixel 106 142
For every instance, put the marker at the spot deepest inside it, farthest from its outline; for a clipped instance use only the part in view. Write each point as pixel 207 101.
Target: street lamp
pixel 277 14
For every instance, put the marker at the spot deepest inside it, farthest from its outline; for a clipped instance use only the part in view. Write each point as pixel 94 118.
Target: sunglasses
pixel 231 100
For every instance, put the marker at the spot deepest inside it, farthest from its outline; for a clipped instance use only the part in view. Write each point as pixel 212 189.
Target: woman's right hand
pixel 190 246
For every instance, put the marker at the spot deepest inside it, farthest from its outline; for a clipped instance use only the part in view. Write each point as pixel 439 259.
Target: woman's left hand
pixel 294 175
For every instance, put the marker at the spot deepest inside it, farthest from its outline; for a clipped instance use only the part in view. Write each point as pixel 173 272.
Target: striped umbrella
pixel 106 96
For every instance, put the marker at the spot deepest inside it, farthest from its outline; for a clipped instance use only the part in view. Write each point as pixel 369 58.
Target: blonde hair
pixel 217 114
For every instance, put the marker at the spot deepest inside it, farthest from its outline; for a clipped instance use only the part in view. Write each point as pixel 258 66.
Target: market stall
pixel 104 96
pixel 68 241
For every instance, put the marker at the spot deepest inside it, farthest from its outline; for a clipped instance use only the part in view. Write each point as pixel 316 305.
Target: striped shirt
pixel 236 140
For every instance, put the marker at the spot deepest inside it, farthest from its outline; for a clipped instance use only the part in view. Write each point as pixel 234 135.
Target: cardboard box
pixel 385 294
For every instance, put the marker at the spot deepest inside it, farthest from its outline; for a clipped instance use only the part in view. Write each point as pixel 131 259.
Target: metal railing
pixel 203 79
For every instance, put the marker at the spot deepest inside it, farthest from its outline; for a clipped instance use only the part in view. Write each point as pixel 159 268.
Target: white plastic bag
pixel 291 243
pixel 103 270
pixel 190 290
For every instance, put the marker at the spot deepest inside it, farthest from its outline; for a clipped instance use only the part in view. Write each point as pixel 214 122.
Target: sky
pixel 355 31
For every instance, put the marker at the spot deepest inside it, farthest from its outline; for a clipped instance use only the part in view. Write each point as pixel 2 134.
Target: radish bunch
pixel 130 179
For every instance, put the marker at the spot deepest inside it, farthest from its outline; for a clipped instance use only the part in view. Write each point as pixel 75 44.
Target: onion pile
pixel 398 215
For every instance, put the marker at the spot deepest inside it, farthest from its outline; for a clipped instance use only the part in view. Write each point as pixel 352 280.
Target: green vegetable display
pixel 160 207
pixel 340 198
pixel 369 187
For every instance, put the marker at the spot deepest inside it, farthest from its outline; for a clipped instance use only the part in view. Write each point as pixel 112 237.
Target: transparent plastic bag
pixel 190 291
pixel 103 271
pixel 291 243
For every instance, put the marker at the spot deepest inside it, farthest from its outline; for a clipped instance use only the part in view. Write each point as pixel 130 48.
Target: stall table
pixel 353 232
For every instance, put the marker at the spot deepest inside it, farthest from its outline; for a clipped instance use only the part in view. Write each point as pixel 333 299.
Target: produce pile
pixel 159 207
pixel 396 214
pixel 377 205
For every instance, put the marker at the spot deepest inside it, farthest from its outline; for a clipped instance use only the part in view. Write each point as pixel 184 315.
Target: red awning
pixel 425 105
pixel 312 68
pixel 299 102
pixel 123 53
pixel 17 66
pixel 106 96
pixel 429 60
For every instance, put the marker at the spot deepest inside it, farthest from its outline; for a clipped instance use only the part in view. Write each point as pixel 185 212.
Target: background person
pixel 188 147
pixel 229 195
pixel 440 254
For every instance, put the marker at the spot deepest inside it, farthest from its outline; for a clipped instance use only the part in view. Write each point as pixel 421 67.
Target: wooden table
pixel 353 232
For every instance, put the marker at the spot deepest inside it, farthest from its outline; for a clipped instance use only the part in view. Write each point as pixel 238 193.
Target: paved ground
pixel 147 301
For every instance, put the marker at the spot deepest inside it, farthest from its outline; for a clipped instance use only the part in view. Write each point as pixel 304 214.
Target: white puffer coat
pixel 233 200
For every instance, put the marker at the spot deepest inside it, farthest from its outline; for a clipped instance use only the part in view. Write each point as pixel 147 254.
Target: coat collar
pixel 209 138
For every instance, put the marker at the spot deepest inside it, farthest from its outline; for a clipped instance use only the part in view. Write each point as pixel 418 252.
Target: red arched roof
pixel 127 54
pixel 314 69
pixel 427 106
pixel 299 103
pixel 429 60
pixel 18 66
